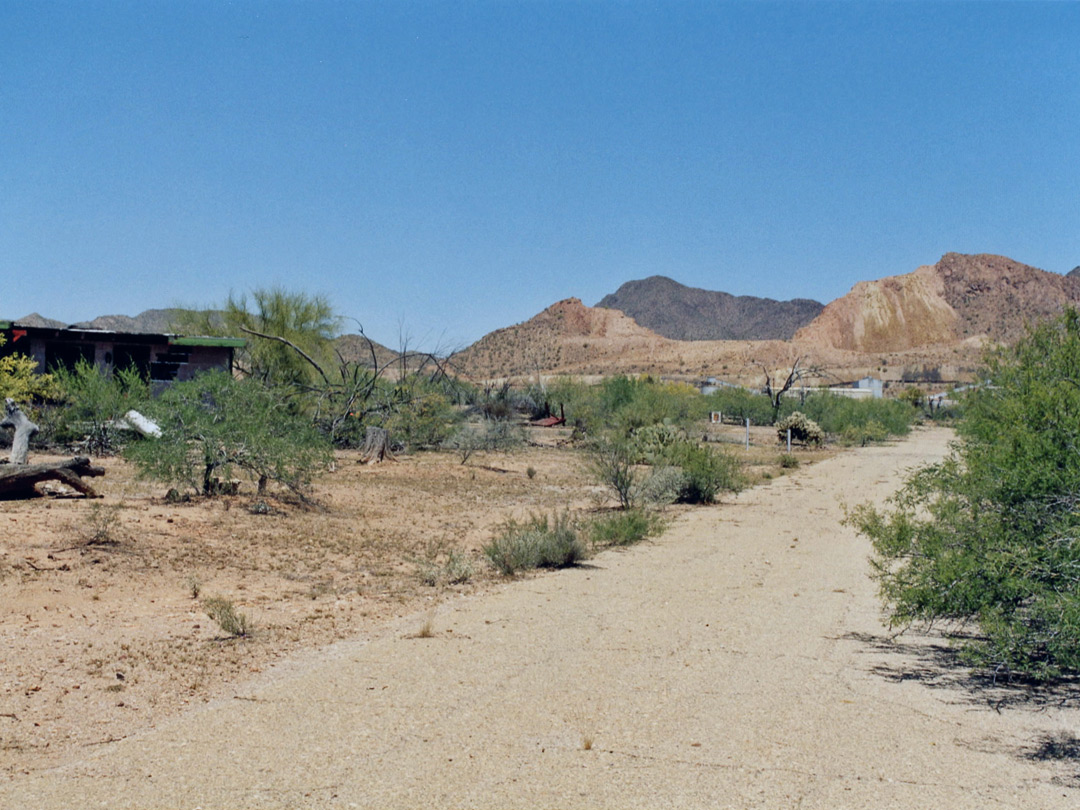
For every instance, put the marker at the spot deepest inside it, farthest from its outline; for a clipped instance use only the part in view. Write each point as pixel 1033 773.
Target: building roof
pixel 130 337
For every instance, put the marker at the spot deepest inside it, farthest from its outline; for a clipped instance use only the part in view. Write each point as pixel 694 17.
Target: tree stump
pixel 376 446
pixel 19 480
pixel 24 429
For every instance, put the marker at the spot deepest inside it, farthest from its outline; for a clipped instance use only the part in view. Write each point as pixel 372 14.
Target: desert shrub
pixel 624 528
pixel 988 538
pixel 835 414
pixel 91 400
pixel 867 433
pixel 457 569
pixel 662 486
pixel 915 397
pixel 803 429
pixel 707 472
pixel 216 424
pixel 738 404
pixel 788 461
pixel 488 436
pixel 102 527
pixel 228 618
pixel 19 379
pixel 579 401
pixel 610 462
pixel 539 542
pixel 421 420
pixel 653 402
pixel 623 405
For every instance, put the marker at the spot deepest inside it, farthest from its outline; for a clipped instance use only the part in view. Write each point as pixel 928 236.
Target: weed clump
pixel 456 570
pixel 228 618
pixel 706 473
pixel 539 542
pixel 103 525
pixel 624 528
pixel 662 486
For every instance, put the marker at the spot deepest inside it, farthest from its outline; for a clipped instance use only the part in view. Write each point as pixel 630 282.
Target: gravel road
pixel 739 661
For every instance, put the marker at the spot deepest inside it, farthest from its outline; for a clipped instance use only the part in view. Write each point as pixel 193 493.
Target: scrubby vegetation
pixel 216 425
pixel 988 539
pixel 19 379
pixel 91 402
pixel 801 428
pixel 539 542
pixel 624 528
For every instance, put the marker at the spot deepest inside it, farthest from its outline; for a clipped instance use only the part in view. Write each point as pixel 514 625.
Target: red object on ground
pixel 549 421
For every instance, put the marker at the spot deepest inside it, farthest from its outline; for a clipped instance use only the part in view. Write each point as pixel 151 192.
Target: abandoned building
pixel 161 358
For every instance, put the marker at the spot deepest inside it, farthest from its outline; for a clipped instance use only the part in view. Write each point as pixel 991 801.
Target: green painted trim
pixel 235 343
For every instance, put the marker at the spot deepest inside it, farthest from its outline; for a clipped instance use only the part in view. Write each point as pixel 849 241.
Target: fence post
pixel 789 441
pixel 748 433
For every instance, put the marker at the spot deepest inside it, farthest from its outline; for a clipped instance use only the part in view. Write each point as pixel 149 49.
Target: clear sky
pixel 444 169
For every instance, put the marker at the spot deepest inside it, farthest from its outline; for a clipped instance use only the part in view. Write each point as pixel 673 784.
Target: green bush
pixel 803 429
pixel 610 461
pixel 988 538
pixel 738 404
pixel 868 433
pixel 662 486
pixel 92 400
pixel 624 528
pixel 216 424
pixel 837 414
pixel 539 542
pixel 707 472
pixel 788 461
pixel 622 405
pixel 423 419
pixel 19 379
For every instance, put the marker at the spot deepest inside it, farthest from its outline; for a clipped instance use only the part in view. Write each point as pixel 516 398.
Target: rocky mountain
pixel 679 312
pixel 566 335
pixel 571 338
pixel 963 297
pixel 151 321
pixel 40 321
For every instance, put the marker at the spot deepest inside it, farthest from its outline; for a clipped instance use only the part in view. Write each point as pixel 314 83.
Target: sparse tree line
pixel 296 397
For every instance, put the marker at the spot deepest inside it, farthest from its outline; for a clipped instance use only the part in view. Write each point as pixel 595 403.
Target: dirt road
pixel 736 662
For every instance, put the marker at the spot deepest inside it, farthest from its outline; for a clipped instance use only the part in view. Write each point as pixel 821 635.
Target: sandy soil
pixel 738 661
pixel 101 624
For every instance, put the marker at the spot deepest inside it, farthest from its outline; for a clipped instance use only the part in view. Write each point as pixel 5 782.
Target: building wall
pixel 162 361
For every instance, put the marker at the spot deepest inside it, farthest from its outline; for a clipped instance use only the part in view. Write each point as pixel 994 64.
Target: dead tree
pixel 20 480
pixel 24 429
pixel 376 446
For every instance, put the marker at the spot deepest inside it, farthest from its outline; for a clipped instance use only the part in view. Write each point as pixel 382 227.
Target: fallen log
pixel 19 480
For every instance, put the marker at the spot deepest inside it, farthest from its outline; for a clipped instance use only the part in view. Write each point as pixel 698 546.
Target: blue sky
pixel 443 169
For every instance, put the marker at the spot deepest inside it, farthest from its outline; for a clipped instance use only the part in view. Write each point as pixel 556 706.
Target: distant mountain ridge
pixel 149 322
pixel 676 311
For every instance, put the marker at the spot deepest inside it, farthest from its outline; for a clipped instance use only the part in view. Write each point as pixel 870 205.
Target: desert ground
pixel 739 660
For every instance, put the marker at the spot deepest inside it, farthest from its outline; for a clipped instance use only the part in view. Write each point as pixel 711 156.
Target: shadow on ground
pixel 930 659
